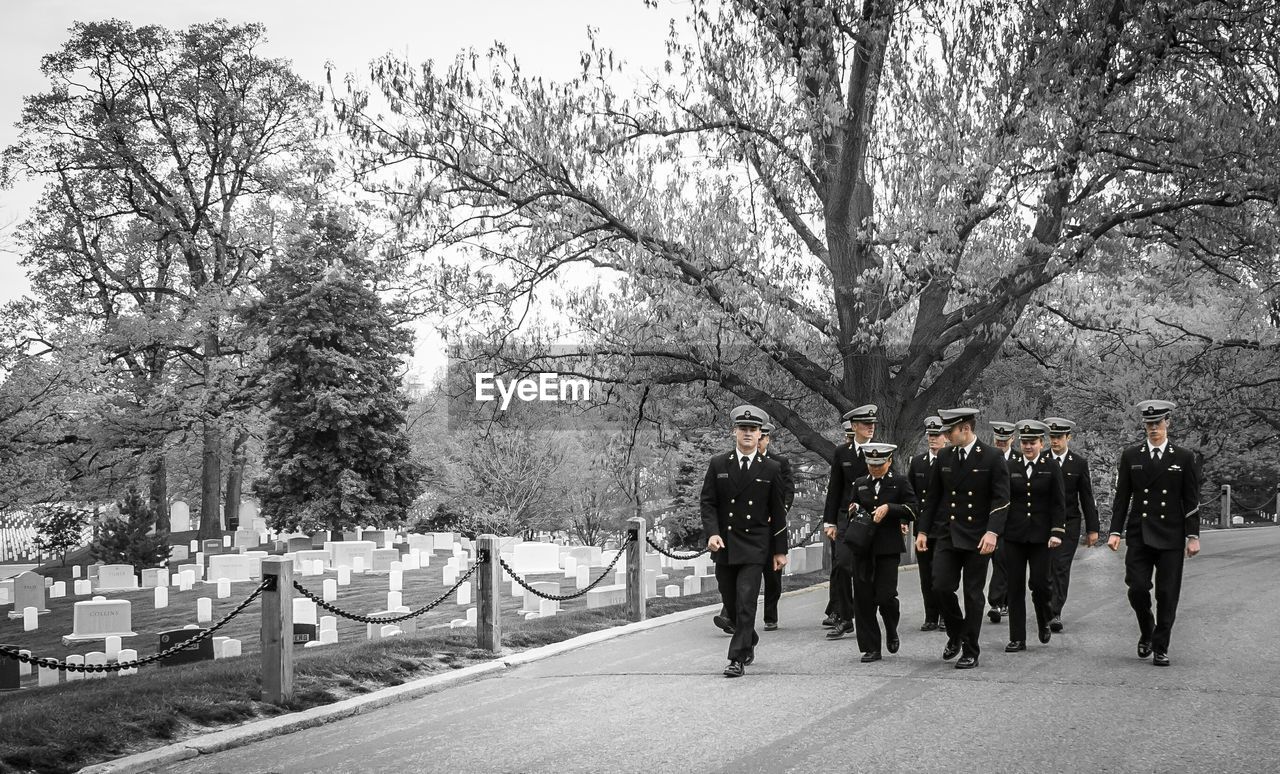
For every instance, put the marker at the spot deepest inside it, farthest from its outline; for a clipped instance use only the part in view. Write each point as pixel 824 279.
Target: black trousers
pixel 772 592
pixel 951 565
pixel 833 604
pixel 1018 558
pixel 875 587
pixel 1060 559
pixel 842 591
pixel 998 592
pixel 924 561
pixel 739 587
pixel 1140 562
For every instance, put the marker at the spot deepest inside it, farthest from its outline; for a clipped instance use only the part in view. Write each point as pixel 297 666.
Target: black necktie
pixel 745 460
pixel 1028 470
pixel 960 455
pixel 1155 454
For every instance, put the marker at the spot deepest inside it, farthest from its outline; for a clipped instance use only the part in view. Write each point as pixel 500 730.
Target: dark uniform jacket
pixel 1037 505
pixel 918 472
pixel 966 501
pixel 1157 503
pixel 788 479
pixel 1079 490
pixel 847 466
pixel 897 493
pixel 747 510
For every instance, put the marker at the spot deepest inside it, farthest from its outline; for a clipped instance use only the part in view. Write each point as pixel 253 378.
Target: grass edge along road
pixel 63 728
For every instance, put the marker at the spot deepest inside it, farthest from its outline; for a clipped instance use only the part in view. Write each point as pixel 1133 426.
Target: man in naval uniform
pixel 918 471
pixel 1157 513
pixel 744 517
pixel 772 577
pixel 848 465
pixel 962 515
pixel 1082 510
pixel 998 589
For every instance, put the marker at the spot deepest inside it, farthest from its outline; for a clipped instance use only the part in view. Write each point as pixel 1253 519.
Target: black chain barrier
pixel 695 554
pixel 62 666
pixel 581 592
pixel 368 619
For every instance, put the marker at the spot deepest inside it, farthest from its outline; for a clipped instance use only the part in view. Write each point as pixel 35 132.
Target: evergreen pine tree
pixel 124 539
pixel 337 453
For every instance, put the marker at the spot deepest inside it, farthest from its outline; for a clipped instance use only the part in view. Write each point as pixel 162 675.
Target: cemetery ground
pixel 64 727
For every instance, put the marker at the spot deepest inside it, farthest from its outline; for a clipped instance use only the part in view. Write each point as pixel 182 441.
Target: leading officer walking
pixel 744 517
pixel 1082 510
pixel 1157 512
pixel 848 465
pixel 963 514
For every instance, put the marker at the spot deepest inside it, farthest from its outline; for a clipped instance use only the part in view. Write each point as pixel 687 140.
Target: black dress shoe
pixel 841 629
pixel 929 626
pixel 771 626
pixel 1056 624
pixel 749 660
pixel 724 623
pixel 994 615
pixel 967 662
pixel 871 655
pixel 942 626
pixel 892 643
pixel 830 621
pixel 1045 635
pixel 1014 646
pixel 950 651
pixel 1144 648
pixel 735 669
pixel 1160 659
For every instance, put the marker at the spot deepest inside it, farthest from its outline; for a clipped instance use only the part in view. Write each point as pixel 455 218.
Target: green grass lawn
pixel 65 727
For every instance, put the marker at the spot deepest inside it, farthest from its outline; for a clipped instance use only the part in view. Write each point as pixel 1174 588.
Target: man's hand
pixel 988 543
pixel 1113 542
pixel 830 531
pixel 1193 546
pixel 779 561
pixel 1091 539
pixel 714 543
pixel 1055 541
pixel 906 530
pixel 922 543
pixel 879 513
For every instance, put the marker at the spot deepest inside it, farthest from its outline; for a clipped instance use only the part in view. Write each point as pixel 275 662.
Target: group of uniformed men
pixel 1019 509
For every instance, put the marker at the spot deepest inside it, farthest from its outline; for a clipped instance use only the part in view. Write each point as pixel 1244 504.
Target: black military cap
pixel 1058 425
pixel 865 413
pixel 767 428
pixel 876 453
pixel 1155 410
pixel 1031 429
pixel 952 417
pixel 847 425
pixel 932 426
pixel 1002 429
pixel 749 416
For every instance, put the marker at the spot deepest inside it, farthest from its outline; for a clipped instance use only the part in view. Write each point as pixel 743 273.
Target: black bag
pixel 859 532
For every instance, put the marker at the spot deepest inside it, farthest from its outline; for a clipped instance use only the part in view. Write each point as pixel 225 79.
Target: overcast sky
pixel 545 36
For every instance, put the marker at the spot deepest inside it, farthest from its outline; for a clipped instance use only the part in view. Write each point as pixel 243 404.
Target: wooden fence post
pixel 635 569
pixel 277 631
pixel 1225 520
pixel 488 615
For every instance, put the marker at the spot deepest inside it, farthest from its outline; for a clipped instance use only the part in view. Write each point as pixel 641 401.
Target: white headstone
pixel 304 611
pixel 330 587
pixel 153 577
pixel 179 554
pixel 449 575
pixel 344 576
pixel 72 674
pixel 76 571
pixel 813 557
pixel 125 656
pixel 533 558
pixel 606 596
pixel 464 593
pixel 179 517
pixel 583 578
pixel 671 591
pixel 83 587
pixel 224 588
pixel 30 619
pixel 95 658
pixel 49 676
pixel 395 581
pixel 358 565
pixel 347 551
pixel 112 647
pixel 382 559
pixel 162 597
pixel 204 610
pixel 531 600
pixel 58 590
pixel 98 618
pixel 394 599
pixel 692 585
pixel 247 538
pixel 570 567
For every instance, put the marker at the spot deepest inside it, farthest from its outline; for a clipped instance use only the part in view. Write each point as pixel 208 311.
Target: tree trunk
pixel 160 492
pixel 235 481
pixel 211 483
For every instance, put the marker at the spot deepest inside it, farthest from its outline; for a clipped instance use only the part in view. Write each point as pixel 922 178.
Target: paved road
pixel 655 701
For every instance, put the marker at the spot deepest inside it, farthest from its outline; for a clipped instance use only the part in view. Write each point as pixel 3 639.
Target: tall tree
pixel 168 156
pixel 337 452
pixel 820 203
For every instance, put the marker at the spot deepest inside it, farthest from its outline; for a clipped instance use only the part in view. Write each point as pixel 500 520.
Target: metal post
pixel 635 569
pixel 1225 520
pixel 488 615
pixel 1276 516
pixel 277 631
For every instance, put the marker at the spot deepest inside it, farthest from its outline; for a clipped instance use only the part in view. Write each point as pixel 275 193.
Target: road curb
pixel 257 730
